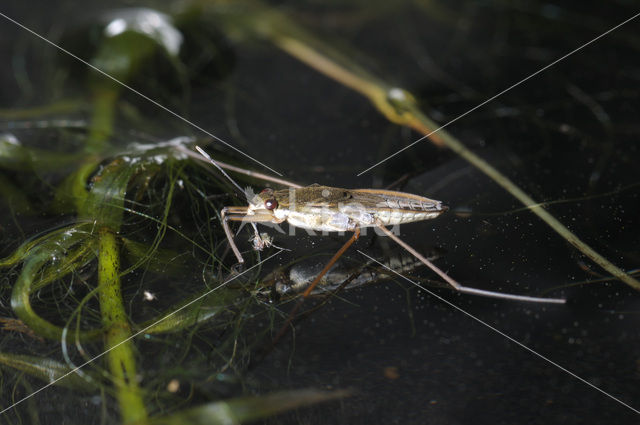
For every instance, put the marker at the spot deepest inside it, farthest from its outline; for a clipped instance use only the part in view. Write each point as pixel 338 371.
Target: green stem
pixel 104 107
pixel 120 350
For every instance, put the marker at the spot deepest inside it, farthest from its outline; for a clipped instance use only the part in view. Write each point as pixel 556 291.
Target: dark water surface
pixel 568 136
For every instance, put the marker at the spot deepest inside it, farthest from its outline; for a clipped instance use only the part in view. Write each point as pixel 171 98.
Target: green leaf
pixel 48 370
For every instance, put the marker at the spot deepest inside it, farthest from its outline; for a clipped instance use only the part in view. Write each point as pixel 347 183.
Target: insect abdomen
pixel 390 217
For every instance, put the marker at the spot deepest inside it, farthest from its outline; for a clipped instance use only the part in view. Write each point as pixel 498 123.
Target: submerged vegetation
pixel 112 281
pixel 128 232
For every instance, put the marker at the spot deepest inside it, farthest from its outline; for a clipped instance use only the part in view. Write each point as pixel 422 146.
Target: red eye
pixel 271 204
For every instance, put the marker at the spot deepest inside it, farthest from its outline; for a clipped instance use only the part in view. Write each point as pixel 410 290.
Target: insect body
pixel 331 209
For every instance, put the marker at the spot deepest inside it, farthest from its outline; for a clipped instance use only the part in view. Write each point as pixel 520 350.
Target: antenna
pixel 215 164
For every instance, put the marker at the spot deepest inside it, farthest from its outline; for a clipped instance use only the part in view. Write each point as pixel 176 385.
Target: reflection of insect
pixel 345 274
pixel 331 209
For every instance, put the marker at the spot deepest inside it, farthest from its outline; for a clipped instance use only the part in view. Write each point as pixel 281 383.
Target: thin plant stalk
pixel 120 350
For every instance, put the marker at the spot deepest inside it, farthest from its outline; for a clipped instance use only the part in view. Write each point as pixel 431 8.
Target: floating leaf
pixel 246 409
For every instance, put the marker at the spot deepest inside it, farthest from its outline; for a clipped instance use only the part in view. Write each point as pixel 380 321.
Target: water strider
pixel 331 209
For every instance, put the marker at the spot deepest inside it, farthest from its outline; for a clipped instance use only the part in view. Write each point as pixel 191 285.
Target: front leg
pixel 224 218
pixel 241 214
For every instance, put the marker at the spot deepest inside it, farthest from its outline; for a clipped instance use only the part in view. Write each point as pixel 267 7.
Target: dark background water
pixel 569 134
